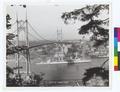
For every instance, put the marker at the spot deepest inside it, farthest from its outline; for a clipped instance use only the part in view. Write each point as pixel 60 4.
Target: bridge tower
pixel 59 35
pixel 27 44
pixel 59 45
pixel 22 25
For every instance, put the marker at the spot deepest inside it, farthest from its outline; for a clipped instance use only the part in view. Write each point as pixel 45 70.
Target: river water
pixel 62 71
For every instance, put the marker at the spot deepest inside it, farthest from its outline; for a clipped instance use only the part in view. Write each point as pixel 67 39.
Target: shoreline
pixel 65 62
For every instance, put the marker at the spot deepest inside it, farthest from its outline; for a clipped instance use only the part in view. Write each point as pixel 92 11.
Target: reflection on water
pixel 61 71
pixel 66 71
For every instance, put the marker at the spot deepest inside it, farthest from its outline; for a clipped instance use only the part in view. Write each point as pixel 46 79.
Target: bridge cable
pixel 13 24
pixel 34 36
pixel 38 33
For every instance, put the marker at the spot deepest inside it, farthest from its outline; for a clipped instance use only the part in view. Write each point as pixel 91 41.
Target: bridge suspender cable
pixel 34 36
pixel 38 34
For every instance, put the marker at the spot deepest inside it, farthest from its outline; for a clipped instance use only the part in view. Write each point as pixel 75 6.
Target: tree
pixel 9 71
pixel 9 81
pixel 8 18
pixel 95 25
pixel 96 76
pixel 9 37
pixel 38 78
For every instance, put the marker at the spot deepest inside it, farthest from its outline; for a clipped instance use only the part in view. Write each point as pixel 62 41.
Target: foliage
pixel 8 18
pixel 38 78
pixel 10 81
pixel 9 71
pixel 93 73
pixel 9 36
pixel 11 48
pixel 94 25
pixel 13 79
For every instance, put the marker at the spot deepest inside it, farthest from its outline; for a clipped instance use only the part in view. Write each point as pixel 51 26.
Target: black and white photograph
pixel 57 45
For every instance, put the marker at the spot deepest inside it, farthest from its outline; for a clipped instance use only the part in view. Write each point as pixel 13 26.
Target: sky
pixel 46 20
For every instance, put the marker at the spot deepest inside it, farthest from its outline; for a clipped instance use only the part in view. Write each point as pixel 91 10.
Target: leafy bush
pixel 96 76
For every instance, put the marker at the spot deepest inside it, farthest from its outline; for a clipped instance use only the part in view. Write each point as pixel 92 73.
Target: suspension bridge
pixel 23 30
